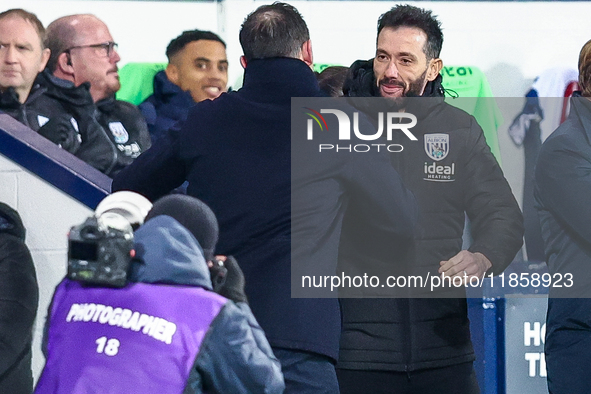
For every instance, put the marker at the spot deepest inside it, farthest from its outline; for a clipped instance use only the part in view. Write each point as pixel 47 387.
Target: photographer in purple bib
pixel 153 311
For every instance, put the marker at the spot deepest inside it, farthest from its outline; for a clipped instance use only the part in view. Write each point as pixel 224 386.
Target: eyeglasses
pixel 106 48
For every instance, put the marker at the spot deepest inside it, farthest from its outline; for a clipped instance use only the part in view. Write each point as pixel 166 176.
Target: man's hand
pixel 233 285
pixel 465 264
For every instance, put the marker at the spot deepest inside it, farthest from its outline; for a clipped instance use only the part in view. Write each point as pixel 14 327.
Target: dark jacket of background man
pixel 67 115
pixel 81 78
pixel 166 106
pixel 19 296
pixel 112 133
pixel 562 194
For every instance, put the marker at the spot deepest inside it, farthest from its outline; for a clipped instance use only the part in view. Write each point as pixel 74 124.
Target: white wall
pixel 511 42
pixel 47 214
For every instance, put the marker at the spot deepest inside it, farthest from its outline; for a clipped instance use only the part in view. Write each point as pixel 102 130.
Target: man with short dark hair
pixel 235 152
pixel 422 345
pixel 395 30
pixel 270 32
pixel 81 78
pixel 197 70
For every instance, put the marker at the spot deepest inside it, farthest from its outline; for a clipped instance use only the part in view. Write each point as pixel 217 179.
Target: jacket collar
pixel 108 104
pixel 279 79
pixel 361 82
pixel 9 98
pixel 167 92
pixel 62 89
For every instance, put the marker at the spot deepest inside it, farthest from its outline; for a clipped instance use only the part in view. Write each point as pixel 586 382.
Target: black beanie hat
pixel 194 215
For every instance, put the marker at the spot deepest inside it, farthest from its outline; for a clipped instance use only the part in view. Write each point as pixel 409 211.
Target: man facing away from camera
pixel 422 345
pixel 235 151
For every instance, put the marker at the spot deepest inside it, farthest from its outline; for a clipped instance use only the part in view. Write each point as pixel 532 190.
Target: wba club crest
pixel 437 146
pixel 119 133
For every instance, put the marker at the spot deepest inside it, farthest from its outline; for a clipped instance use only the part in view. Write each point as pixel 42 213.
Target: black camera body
pixel 100 251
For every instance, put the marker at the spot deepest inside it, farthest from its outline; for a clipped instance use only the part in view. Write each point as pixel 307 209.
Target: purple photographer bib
pixel 142 338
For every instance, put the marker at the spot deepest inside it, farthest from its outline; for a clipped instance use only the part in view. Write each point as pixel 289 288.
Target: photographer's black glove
pixel 218 273
pixel 233 286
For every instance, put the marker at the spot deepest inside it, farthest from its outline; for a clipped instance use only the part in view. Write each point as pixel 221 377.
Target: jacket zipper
pixel 407 354
pixel 111 144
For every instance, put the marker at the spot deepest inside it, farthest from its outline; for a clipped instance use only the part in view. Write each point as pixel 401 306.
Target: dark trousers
pixel 307 373
pixel 455 379
pixel 568 363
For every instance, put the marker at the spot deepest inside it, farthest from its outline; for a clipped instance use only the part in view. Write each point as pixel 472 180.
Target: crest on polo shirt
pixel 119 133
pixel 437 146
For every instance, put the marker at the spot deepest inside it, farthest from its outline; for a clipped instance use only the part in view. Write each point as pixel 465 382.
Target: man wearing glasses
pixel 81 76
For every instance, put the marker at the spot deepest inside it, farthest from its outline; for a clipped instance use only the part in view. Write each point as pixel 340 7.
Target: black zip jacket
pixel 19 296
pixel 60 129
pixel 126 128
pixel 108 135
pixel 10 104
pixel 407 334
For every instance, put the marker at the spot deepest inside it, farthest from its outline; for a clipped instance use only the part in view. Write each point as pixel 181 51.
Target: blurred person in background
pixel 332 79
pixel 562 187
pixel 197 70
pixel 22 55
pixel 19 296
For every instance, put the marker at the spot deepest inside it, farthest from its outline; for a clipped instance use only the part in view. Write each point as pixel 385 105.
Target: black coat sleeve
pixel 235 357
pixel 495 217
pixel 19 296
pixel 155 172
pixel 563 182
